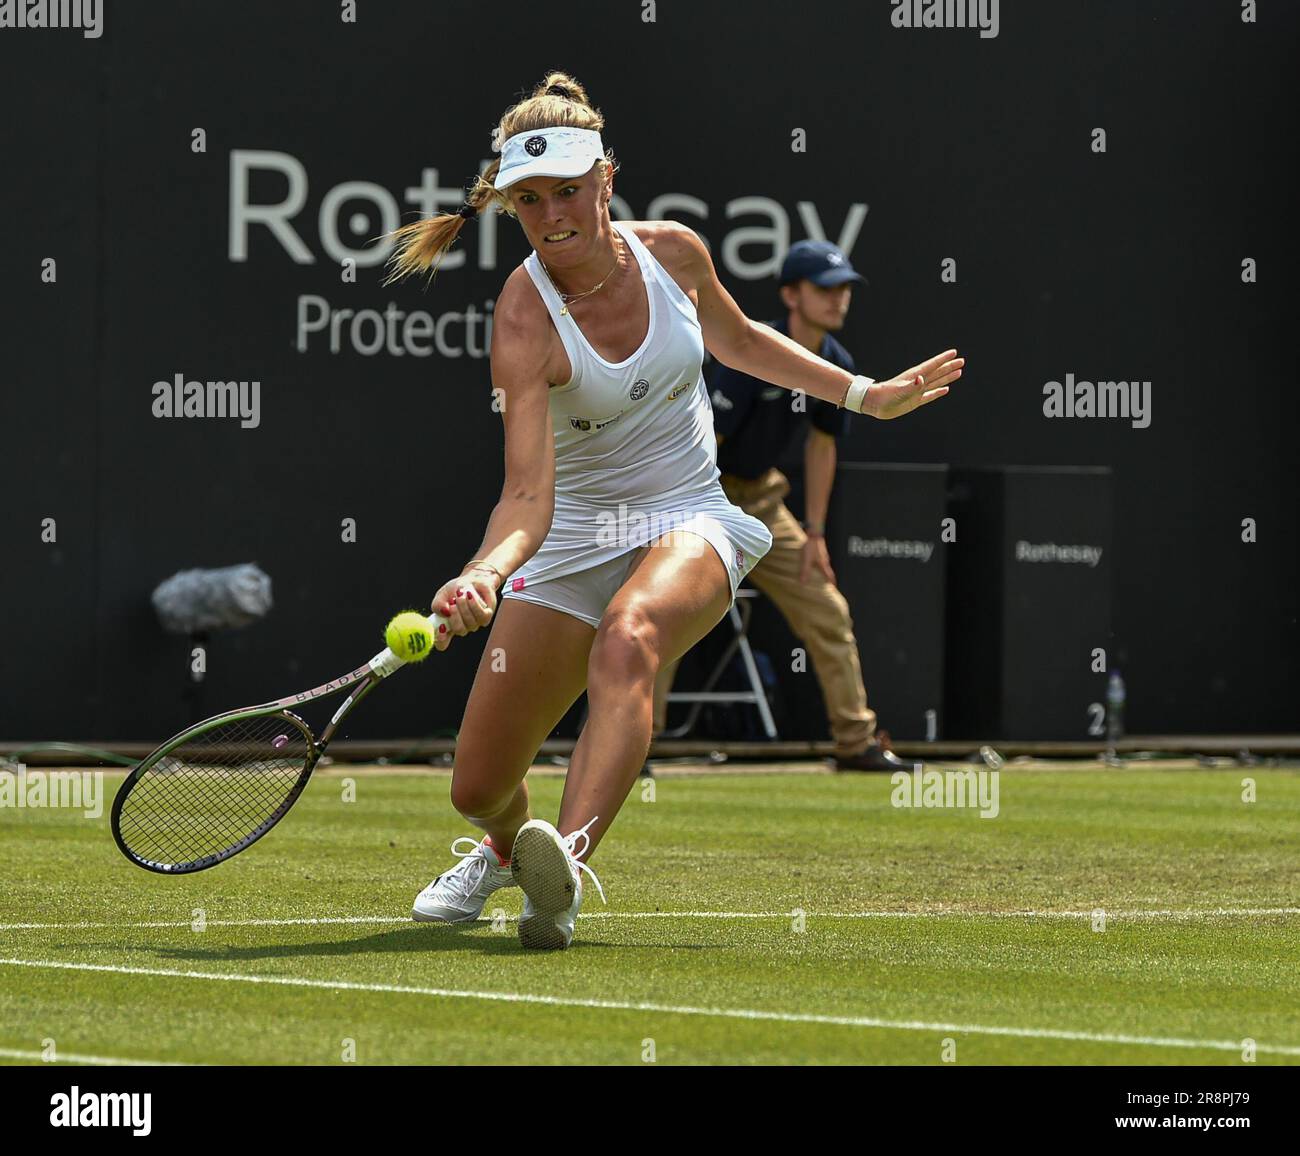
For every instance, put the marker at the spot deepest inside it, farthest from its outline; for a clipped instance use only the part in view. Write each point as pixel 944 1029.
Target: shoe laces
pixel 569 845
pixel 470 874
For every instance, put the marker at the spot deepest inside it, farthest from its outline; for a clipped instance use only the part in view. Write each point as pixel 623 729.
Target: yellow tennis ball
pixel 409 636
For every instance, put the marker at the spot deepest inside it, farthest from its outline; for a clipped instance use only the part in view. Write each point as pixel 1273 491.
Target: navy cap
pixel 820 262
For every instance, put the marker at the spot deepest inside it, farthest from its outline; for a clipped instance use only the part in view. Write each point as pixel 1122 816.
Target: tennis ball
pixel 409 636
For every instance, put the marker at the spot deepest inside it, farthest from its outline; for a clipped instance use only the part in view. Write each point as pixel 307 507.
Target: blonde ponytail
pixel 419 246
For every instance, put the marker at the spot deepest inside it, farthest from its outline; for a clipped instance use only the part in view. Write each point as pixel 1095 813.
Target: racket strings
pixel 212 792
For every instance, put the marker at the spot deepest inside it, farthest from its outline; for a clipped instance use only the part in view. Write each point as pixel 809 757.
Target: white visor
pixel 548 152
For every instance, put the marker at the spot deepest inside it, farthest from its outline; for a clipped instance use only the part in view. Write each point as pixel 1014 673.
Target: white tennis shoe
pixel 458 895
pixel 545 864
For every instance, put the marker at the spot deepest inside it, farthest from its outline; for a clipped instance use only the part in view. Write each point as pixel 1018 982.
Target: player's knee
pixel 626 648
pixel 477 800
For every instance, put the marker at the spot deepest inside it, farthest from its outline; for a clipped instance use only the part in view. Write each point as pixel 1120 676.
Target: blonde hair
pixel 557 100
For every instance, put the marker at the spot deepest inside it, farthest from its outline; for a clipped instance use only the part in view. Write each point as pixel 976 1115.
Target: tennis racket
pixel 213 790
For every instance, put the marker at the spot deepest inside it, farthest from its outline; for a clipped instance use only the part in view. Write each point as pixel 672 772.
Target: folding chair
pixel 739 614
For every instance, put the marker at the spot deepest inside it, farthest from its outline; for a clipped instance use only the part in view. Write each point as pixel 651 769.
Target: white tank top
pixel 638 431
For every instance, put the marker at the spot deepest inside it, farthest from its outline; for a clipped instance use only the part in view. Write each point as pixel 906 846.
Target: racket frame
pixel 359 682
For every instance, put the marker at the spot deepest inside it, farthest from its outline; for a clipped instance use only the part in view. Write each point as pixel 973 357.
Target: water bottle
pixel 1114 711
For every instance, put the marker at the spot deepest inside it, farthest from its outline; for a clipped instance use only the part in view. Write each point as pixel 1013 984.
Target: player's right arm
pixel 523 363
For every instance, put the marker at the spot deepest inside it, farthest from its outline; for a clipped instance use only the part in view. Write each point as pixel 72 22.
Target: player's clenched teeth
pixel 556 238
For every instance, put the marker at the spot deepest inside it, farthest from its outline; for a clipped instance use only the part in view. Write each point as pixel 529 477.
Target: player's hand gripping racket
pixel 220 785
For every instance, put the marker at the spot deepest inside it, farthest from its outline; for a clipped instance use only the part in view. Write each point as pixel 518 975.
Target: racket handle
pixel 436 622
pixel 385 662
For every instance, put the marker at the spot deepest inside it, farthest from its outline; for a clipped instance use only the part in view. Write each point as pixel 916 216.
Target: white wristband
pixel 858 392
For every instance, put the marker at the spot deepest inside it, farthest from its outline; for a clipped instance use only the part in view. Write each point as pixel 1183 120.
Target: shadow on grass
pixel 407 939
pixel 427 938
pixel 475 938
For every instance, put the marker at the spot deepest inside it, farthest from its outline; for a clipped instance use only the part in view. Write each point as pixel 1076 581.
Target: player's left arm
pixel 760 351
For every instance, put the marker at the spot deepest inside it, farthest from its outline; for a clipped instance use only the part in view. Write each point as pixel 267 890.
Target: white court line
pixel 663 1009
pixel 306 921
pixel 96 1061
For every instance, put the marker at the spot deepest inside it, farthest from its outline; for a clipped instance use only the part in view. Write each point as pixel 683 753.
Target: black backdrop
pixel 1124 265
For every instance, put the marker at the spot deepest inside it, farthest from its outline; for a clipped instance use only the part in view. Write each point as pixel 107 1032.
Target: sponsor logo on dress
pixel 639 389
pixel 740 558
pixel 772 393
pixel 587 423
pixel 678 390
pixel 534 146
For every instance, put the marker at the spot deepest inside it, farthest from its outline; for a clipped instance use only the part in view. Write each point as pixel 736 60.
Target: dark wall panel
pixel 50 208
pixel 1116 266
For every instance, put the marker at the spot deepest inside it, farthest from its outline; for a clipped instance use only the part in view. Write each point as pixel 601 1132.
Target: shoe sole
pixel 540 866
pixel 422 917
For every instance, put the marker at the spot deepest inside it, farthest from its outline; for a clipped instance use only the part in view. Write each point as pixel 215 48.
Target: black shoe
pixel 875 758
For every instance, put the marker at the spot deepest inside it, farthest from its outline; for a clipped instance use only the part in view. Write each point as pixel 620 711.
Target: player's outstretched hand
pixel 914 387
pixel 467 602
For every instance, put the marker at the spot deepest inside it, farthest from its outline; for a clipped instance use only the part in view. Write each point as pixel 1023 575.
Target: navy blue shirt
pixel 757 419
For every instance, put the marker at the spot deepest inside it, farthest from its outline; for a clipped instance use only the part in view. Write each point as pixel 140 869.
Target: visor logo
pixel 534 146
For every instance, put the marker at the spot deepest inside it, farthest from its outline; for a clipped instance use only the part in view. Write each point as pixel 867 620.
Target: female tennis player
pixel 612 548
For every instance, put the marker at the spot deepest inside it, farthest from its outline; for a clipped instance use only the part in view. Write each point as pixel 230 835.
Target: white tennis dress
pixel 635 455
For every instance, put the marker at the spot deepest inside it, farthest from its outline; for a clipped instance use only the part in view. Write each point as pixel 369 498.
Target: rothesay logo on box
pixel 889 548
pixel 78 1109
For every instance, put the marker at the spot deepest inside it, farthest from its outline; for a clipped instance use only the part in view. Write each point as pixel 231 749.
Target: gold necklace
pixel 565 298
